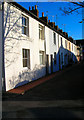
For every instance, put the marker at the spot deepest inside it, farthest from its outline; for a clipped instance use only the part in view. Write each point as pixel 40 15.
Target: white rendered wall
pixel 15 74
pixel 15 41
pixel 51 48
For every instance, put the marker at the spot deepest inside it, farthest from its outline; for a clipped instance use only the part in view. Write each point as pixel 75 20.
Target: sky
pixel 68 23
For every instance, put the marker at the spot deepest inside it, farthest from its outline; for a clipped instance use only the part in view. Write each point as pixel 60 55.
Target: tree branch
pixel 72 10
pixel 68 10
pixel 79 3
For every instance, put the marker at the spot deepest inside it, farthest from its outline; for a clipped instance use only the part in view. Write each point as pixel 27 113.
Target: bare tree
pixel 72 7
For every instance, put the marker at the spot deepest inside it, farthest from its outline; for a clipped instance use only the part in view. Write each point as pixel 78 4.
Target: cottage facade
pixel 32 47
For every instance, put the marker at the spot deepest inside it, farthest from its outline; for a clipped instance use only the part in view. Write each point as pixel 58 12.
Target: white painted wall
pixel 15 74
pixel 51 48
pixel 74 52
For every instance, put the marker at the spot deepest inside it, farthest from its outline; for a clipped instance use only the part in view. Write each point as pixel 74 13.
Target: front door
pixel 51 63
pixel 47 64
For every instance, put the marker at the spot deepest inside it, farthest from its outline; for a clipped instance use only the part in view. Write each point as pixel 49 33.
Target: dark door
pixel 47 64
pixel 51 63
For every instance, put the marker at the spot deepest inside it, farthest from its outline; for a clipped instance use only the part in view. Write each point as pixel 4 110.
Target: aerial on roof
pixel 35 14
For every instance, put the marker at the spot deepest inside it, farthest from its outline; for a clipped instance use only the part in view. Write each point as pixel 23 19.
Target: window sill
pixel 26 68
pixel 41 39
pixel 42 65
pixel 25 35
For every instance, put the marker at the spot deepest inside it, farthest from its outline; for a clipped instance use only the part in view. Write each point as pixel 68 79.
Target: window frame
pixel 61 41
pixel 58 40
pixel 54 38
pixel 69 46
pixel 72 46
pixel 41 54
pixel 66 44
pixel 25 27
pixel 41 32
pixel 26 58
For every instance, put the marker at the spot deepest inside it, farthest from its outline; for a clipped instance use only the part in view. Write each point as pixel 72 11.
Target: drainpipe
pixel 45 47
pixel 3 42
pixel 1 64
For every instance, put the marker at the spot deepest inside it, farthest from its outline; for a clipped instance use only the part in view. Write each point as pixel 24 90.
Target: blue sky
pixel 71 21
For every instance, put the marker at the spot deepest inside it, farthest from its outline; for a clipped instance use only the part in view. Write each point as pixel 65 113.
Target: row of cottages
pixel 32 47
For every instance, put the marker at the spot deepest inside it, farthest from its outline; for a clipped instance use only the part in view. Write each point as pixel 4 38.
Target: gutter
pixel 18 6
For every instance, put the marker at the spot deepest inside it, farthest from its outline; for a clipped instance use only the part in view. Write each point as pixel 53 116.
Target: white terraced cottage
pixel 31 46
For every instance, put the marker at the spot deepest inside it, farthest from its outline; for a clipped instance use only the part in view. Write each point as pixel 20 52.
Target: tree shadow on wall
pixel 27 76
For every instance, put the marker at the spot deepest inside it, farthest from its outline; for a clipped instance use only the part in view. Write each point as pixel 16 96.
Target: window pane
pixel 58 40
pixel 24 21
pixel 24 30
pixel 54 38
pixel 41 57
pixel 23 52
pixel 25 25
pixel 24 62
pixel 61 41
pixel 26 58
pixel 26 53
pixel 41 32
pixel 65 43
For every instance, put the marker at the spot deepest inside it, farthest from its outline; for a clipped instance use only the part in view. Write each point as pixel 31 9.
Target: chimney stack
pixel 61 30
pixel 45 19
pixel 51 24
pixel 70 38
pixel 56 27
pixel 64 33
pixel 34 11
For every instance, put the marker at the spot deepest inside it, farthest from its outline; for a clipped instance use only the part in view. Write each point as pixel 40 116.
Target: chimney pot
pixel 42 14
pixel 29 8
pixel 35 7
pixel 53 24
pixel 32 7
pixel 49 21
